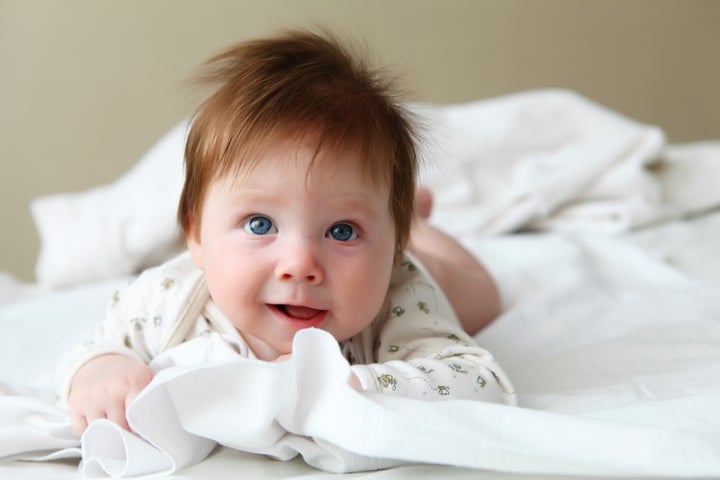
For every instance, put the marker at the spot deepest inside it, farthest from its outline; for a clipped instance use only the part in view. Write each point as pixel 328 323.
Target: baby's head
pixel 308 87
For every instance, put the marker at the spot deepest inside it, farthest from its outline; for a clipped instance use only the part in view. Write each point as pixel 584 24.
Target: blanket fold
pixel 534 160
pixel 587 408
pixel 305 407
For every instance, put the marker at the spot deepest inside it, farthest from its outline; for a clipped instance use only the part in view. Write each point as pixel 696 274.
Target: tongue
pixel 301 313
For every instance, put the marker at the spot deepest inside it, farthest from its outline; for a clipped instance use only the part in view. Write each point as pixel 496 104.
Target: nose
pixel 299 262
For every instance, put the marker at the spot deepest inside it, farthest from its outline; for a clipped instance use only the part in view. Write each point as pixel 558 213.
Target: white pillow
pixel 115 229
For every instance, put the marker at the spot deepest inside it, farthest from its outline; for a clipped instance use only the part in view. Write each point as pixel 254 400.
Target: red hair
pixel 303 84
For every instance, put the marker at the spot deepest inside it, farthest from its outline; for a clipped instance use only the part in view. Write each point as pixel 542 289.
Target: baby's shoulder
pixel 409 269
pixel 161 287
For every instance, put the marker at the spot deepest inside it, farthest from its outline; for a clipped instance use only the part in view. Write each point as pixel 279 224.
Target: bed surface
pixel 607 263
pixel 653 363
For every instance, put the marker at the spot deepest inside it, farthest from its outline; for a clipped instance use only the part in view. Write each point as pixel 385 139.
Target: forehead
pixel 310 159
pixel 298 177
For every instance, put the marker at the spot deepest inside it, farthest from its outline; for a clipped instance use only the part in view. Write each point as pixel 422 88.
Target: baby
pixel 297 210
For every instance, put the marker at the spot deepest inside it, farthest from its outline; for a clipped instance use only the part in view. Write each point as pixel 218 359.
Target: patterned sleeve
pixel 423 352
pixel 138 319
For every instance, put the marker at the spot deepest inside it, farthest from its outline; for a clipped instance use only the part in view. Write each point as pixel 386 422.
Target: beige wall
pixel 86 86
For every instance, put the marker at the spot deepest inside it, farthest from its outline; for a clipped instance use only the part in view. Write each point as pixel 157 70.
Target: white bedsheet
pixel 611 341
pixel 613 354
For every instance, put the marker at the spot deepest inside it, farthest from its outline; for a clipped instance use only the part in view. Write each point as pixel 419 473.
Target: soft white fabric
pixel 39 328
pixel 11 290
pixel 612 352
pixel 542 160
pixel 115 229
pixel 690 245
pixel 689 175
pixel 32 426
pixel 306 407
pixel 614 357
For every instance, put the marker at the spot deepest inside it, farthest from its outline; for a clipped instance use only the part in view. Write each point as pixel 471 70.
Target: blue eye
pixel 342 232
pixel 259 225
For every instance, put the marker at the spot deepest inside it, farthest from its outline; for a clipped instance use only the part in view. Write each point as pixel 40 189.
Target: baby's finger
pixel 79 424
pixel 137 386
pixel 82 421
pixel 131 395
pixel 116 414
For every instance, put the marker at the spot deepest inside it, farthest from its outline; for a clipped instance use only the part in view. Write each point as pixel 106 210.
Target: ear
pixel 192 239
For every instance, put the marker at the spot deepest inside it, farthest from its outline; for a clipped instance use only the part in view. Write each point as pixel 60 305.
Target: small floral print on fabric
pixel 409 266
pixel 442 390
pixel 457 368
pixel 137 323
pixel 388 381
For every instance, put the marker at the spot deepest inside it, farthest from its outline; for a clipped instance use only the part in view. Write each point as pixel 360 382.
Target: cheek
pixel 220 283
pixel 367 286
pixel 228 276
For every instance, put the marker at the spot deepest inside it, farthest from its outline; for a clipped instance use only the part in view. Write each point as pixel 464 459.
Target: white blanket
pixel 542 160
pixel 614 357
pixel 613 354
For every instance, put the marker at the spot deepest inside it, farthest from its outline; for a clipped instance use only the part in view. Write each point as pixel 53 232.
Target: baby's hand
pixel 104 387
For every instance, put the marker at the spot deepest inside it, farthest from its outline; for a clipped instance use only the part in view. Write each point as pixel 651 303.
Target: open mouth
pixel 298 312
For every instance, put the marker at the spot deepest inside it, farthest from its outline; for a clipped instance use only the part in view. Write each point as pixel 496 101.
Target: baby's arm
pixel 104 387
pixel 100 378
pixel 465 281
pixel 423 351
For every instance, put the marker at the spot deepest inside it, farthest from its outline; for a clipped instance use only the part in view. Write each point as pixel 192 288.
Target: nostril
pixel 289 276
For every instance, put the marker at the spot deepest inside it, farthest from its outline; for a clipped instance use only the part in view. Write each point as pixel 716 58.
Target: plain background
pixel 87 86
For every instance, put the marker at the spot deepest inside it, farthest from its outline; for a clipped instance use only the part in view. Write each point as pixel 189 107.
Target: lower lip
pixel 298 324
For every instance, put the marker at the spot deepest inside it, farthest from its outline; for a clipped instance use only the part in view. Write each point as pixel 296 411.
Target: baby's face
pixel 283 251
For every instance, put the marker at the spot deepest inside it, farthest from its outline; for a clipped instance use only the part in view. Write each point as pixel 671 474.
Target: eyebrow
pixel 355 203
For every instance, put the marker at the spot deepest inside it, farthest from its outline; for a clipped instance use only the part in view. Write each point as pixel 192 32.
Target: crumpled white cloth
pixel 613 355
pixel 304 406
pixel 545 160
pixel 33 427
